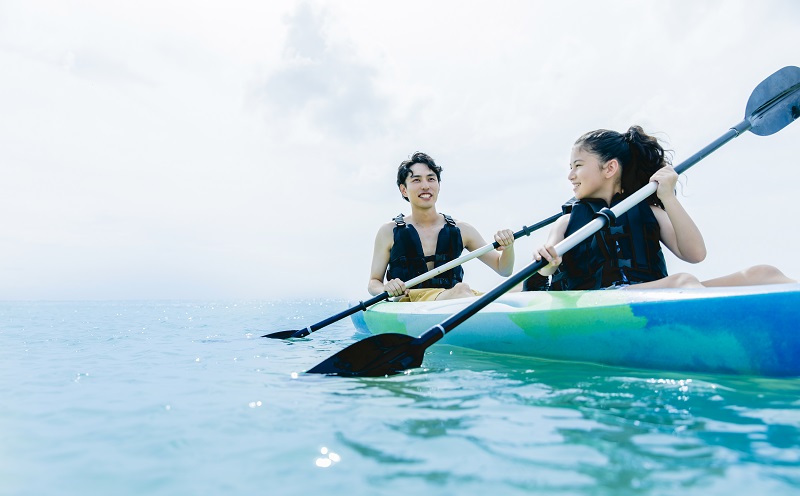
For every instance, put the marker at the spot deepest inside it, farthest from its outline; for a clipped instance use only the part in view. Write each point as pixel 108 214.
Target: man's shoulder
pixel 463 225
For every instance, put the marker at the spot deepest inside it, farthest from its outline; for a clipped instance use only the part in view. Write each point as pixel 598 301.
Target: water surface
pixel 185 398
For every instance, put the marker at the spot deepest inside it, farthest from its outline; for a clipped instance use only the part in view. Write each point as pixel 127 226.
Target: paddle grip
pixel 526 231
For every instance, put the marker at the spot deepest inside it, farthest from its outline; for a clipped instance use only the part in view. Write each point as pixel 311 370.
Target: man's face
pixel 421 186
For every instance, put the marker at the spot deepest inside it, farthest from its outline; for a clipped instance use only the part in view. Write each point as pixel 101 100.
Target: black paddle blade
pixel 775 102
pixel 281 334
pixel 375 356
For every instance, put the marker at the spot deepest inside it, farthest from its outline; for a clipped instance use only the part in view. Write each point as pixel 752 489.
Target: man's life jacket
pixel 407 260
pixel 626 251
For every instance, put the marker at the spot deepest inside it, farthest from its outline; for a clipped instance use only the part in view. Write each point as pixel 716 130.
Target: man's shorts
pixel 427 294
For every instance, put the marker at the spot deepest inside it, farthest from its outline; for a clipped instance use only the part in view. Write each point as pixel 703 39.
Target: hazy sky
pixel 248 149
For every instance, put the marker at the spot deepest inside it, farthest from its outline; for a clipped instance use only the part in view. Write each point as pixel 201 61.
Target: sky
pixel 175 149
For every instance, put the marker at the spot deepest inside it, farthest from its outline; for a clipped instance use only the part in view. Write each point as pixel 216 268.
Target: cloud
pixel 169 149
pixel 321 84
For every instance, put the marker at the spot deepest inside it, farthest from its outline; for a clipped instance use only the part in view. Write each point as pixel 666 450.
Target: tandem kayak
pixel 749 330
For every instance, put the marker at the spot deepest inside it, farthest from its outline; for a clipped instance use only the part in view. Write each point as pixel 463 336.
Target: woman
pixel 606 167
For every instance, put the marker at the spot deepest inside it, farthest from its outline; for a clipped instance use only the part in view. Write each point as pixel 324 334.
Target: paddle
pixel 771 107
pixel 363 305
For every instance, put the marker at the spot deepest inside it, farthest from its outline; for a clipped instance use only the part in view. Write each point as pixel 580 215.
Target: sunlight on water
pixel 328 459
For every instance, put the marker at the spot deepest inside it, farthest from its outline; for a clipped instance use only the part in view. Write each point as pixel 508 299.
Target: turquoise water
pixel 185 398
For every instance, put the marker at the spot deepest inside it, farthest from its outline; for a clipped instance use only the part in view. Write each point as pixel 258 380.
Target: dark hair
pixel 417 158
pixel 639 155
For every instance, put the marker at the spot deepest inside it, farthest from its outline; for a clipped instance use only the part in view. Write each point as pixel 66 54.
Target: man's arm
pixel 380 261
pixel 500 260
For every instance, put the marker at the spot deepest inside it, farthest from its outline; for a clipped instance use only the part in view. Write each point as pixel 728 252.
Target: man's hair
pixel 417 158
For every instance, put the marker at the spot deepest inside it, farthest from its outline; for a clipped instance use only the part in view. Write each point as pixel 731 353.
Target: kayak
pixel 750 330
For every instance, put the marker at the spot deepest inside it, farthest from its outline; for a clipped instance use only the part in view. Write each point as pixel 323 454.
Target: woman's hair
pixel 639 155
pixel 404 170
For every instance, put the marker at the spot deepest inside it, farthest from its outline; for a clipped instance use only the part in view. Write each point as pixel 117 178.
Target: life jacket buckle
pixel 608 214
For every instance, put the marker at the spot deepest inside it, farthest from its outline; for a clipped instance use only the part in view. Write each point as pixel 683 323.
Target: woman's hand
pixel 547 252
pixel 667 178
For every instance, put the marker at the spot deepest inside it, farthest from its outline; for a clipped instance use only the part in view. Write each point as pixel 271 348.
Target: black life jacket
pixel 407 260
pixel 629 251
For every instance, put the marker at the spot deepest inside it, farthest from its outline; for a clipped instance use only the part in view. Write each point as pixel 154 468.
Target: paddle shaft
pixel 525 231
pixel 437 332
pixel 363 305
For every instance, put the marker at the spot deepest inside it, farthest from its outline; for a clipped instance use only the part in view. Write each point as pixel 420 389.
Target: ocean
pixel 186 398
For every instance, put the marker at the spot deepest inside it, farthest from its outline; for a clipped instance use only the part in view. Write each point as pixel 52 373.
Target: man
pixel 412 245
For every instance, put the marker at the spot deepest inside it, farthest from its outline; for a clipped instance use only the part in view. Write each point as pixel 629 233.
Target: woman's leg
pixel 752 276
pixel 681 280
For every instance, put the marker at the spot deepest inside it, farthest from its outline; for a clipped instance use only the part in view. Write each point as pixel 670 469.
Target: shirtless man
pixel 412 245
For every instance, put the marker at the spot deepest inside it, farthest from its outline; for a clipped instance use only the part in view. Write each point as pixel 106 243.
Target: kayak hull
pixel 745 330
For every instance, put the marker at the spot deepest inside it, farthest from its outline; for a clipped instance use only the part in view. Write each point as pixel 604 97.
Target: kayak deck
pixel 741 330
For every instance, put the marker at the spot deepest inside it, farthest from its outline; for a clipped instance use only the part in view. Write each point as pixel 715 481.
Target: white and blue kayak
pixel 752 330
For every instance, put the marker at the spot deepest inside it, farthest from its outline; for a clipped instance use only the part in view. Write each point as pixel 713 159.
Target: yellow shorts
pixel 427 294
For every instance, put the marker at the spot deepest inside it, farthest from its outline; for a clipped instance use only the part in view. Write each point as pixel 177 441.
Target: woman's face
pixel 587 174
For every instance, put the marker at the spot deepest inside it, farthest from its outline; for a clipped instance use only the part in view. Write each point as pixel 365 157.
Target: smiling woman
pixel 606 167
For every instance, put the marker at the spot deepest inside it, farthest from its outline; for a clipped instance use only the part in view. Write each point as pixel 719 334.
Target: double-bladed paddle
pixel 772 106
pixel 363 305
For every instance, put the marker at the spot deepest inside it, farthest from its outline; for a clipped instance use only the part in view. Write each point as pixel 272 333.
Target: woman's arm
pixel 678 231
pixel 548 251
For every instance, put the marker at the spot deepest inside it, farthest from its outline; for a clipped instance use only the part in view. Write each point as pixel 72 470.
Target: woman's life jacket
pixel 625 251
pixel 407 260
